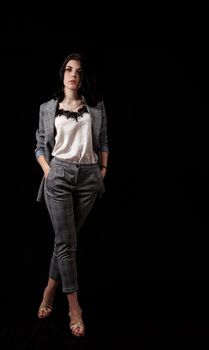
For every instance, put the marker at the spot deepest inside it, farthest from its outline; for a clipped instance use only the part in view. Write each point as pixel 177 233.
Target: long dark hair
pixel 88 88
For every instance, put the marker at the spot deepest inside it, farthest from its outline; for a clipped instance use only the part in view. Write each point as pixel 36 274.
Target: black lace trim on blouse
pixel 73 115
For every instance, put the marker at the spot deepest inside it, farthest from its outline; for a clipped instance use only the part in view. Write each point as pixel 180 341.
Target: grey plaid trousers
pixel 70 191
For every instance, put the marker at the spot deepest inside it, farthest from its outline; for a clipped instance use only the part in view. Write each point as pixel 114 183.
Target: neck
pixel 70 101
pixel 71 96
pixel 71 105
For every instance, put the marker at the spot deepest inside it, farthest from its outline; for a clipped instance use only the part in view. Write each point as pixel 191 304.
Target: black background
pixel 144 246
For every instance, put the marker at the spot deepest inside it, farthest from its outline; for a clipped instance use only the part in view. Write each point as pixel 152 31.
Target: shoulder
pixel 48 104
pixel 98 105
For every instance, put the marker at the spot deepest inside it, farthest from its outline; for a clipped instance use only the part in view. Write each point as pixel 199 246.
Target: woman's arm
pixel 40 149
pixel 104 149
pixel 44 165
pixel 103 156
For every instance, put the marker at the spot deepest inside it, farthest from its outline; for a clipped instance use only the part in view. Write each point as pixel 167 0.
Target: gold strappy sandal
pixel 77 326
pixel 44 310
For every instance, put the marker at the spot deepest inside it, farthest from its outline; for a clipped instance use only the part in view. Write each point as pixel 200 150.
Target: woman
pixel 72 150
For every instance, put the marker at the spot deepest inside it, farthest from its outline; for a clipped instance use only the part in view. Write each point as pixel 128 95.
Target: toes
pixel 44 311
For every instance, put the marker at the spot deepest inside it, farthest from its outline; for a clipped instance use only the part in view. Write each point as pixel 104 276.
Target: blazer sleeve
pixel 40 135
pixel 103 139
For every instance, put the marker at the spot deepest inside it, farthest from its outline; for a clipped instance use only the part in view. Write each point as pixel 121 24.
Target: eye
pixel 68 69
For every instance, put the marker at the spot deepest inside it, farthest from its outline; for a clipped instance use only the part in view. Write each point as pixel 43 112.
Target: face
pixel 72 75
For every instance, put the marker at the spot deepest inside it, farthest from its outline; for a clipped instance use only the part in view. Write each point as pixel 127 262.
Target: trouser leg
pixel 63 262
pixel 85 194
pixel 69 197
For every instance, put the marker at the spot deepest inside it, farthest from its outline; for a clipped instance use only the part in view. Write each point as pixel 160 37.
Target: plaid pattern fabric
pixel 70 192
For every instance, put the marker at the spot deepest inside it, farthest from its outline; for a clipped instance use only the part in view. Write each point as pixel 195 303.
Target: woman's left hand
pixel 103 172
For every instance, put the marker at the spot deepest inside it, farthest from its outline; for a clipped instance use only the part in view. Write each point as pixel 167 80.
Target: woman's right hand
pixel 44 165
pixel 46 171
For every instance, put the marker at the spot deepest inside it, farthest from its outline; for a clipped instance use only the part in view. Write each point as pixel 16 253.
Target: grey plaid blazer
pixel 45 134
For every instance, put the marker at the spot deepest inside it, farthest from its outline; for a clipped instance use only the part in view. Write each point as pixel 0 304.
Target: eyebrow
pixel 68 66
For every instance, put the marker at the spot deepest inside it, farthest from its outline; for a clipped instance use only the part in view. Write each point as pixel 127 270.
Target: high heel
pixel 44 310
pixel 76 325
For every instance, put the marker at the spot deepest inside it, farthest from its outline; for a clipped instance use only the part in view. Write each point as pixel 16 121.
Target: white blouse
pixel 73 140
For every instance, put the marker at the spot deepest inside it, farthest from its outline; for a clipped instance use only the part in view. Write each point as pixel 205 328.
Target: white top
pixel 73 140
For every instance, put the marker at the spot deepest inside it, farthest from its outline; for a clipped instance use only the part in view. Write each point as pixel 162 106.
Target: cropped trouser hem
pixel 70 291
pixel 56 279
